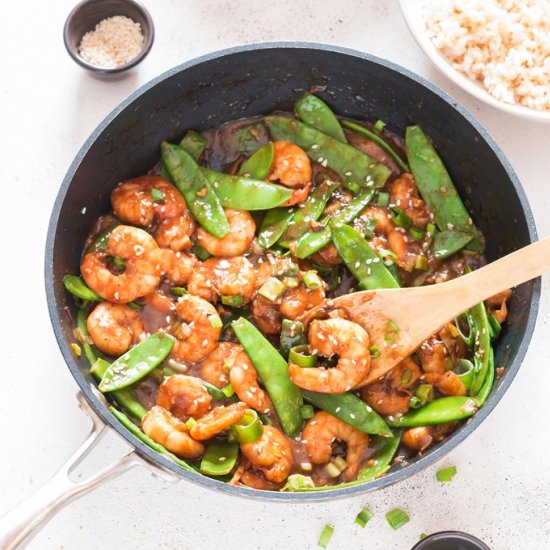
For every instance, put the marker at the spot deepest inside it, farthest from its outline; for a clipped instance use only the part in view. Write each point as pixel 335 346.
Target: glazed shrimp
pixel 223 277
pixel 114 328
pixel 175 233
pixel 497 304
pixel 171 433
pixel 291 167
pixel 266 315
pixel 241 233
pixel 386 400
pixel 420 438
pixel 177 267
pixel 296 301
pixel 133 201
pixel 319 434
pixel 217 421
pixel 244 379
pixel 271 454
pixel 404 194
pixel 184 397
pixel 142 266
pixel 196 337
pixel 214 368
pixel 335 336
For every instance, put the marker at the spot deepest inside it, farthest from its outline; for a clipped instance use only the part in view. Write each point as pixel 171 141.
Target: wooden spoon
pixel 411 315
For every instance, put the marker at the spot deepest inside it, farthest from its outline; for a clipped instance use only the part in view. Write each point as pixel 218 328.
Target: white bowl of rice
pixel 497 50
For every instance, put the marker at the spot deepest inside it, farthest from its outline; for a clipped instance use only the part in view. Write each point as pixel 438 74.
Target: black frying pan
pixel 254 80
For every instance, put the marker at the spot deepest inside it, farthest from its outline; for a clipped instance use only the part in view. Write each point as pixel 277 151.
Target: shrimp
pixel 133 201
pixel 266 315
pixel 171 433
pixel 177 267
pixel 142 266
pixel 296 301
pixel 184 397
pixel 244 379
pixel 498 304
pixel 291 167
pixel 214 368
pixel 113 328
pixel 195 337
pixel 223 277
pixel 271 454
pixel 319 434
pixel 438 353
pixel 404 194
pixel 448 383
pixel 241 233
pixel 386 400
pixel 175 233
pixel 217 421
pixel 404 375
pixel 335 336
pixel 420 438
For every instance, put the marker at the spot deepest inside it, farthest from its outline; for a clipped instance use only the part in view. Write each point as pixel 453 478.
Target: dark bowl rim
pixel 152 457
pixel 73 51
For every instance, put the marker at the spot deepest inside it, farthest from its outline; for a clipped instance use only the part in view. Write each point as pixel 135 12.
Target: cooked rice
pixel 502 44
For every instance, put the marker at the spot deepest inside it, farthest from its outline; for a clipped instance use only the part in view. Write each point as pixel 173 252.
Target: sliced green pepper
pixel 219 458
pixel 449 242
pixel 350 409
pixel 317 113
pixel 273 371
pixel 137 362
pixel 349 163
pixel 196 189
pixel 258 165
pixel 361 259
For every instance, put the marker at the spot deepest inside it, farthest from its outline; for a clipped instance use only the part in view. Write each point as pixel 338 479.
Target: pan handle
pixel 19 525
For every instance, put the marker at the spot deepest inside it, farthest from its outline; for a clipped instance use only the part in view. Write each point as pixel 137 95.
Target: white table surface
pixel 48 106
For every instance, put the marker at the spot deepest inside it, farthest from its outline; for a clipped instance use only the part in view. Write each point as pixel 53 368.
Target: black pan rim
pixel 152 457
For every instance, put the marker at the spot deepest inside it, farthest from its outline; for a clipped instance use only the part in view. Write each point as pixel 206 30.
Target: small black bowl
pixel 450 540
pixel 86 15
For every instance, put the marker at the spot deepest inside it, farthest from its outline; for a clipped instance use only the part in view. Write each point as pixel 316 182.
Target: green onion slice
pixel 465 371
pixel 178 291
pixel 311 280
pixel 375 352
pixel 424 393
pixel 306 412
pixel 228 390
pixel 417 233
pixel 401 218
pixel 232 300
pixel 326 535
pixel 363 517
pixel 379 125
pixel 299 355
pixel 215 321
pixel 249 428
pixel 158 195
pixel 397 518
pixel 446 474
pixel 391 331
pixel 272 289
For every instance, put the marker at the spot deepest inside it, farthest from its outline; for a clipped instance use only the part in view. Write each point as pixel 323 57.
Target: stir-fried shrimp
pixel 420 438
pixel 434 355
pixel 266 315
pixel 142 266
pixel 177 267
pixel 184 397
pixel 292 168
pixel 497 304
pixel 386 400
pixel 321 431
pixel 270 454
pixel 404 375
pixel 350 342
pixel 404 194
pixel 217 421
pixel 448 383
pixel 171 433
pixel 195 335
pixel 135 201
pixel 175 233
pixel 214 368
pixel 241 233
pixel 296 301
pixel 223 277
pixel 244 379
pixel 113 328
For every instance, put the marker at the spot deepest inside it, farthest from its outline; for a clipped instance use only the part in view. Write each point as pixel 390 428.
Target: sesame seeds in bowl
pixel 108 36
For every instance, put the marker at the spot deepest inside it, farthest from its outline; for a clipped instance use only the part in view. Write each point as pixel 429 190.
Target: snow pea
pixel 349 409
pixel 258 165
pixel 124 397
pixel 313 241
pixel 317 113
pixel 219 458
pixel 482 345
pixel 273 371
pixel 361 259
pixel 360 129
pixel 449 242
pixel 132 428
pixel 352 165
pixel 100 243
pixel 217 393
pixel 383 456
pixel 89 351
pixel 436 187
pixel 439 411
pixel 194 143
pixel 77 287
pixel 274 225
pixel 201 200
pixel 245 193
pixel 485 389
pixel 137 362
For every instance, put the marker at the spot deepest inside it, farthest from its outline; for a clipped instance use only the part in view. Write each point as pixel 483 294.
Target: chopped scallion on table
pixel 363 517
pixel 446 474
pixel 326 535
pixel 397 518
